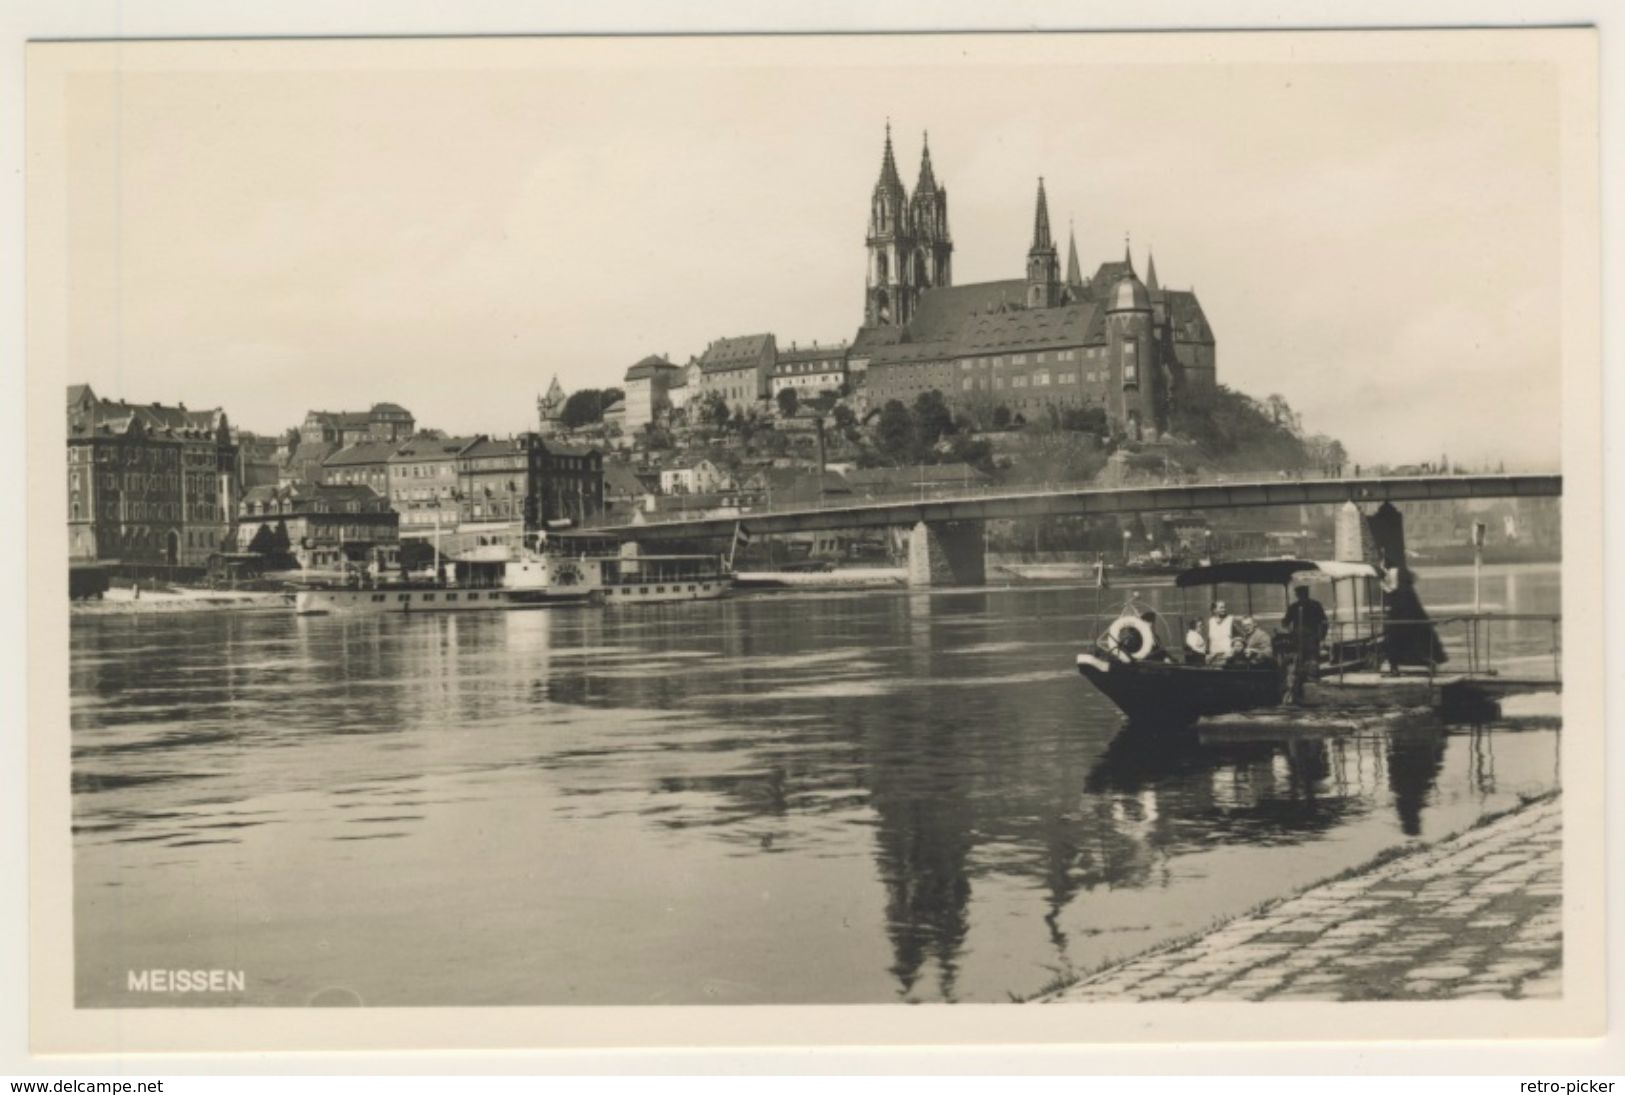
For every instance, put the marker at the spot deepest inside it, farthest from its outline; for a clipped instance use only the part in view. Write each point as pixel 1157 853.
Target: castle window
pixel 968 384
pixel 1018 359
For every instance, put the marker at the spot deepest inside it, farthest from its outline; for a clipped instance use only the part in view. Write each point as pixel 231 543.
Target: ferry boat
pixel 1158 682
pixel 491 576
pixel 540 570
pixel 612 572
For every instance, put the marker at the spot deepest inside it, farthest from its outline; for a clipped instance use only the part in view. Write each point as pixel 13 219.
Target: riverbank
pixel 1477 915
pixel 838 578
pixel 120 602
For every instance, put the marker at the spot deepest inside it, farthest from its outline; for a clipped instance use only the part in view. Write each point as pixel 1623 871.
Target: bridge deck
pixel 1100 501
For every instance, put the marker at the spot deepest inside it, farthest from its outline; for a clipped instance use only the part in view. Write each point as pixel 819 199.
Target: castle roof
pixel 1186 318
pixel 1129 295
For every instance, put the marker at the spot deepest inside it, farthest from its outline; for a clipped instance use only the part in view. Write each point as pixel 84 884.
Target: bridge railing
pixel 925 490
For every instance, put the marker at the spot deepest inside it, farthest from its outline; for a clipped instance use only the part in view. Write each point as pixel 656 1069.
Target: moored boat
pixel 1159 680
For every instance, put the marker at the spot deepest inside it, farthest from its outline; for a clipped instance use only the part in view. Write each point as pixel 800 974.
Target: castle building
pixel 148 484
pixel 1048 340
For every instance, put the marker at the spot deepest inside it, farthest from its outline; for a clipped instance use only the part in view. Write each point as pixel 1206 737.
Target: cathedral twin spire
pixel 910 249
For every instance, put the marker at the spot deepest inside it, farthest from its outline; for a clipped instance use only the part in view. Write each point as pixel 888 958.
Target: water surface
pixel 792 798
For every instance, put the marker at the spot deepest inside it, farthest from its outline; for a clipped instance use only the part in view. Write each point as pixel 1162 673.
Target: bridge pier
pixel 946 553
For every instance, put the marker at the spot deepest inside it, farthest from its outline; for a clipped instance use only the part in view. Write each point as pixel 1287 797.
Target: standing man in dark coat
pixel 1306 627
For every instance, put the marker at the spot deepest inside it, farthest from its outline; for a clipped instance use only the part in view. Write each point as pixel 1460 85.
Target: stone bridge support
pixel 947 553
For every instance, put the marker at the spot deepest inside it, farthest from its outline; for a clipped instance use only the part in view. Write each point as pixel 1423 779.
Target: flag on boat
pixel 741 537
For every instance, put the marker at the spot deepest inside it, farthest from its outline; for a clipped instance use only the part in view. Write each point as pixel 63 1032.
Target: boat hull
pixel 1173 696
pixel 652 593
pixel 326 602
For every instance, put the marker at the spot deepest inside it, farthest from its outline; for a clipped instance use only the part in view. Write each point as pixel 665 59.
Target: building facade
pixel 808 371
pixel 320 526
pixel 1049 340
pixel 699 477
pixel 383 422
pixel 423 475
pixel 737 369
pixel 148 484
pixel 365 464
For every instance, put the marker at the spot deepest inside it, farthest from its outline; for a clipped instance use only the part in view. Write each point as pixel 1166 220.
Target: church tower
pixel 890 289
pixel 1043 263
pixel 928 222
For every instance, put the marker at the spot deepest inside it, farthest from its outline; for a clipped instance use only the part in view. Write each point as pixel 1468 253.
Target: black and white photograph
pixel 1080 524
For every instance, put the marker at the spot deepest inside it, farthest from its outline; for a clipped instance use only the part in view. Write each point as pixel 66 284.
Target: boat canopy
pixel 1273 572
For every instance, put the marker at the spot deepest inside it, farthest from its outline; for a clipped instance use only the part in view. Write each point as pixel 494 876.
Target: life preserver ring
pixel 1137 648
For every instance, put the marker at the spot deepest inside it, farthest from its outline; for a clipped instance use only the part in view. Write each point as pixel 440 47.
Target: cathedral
pixel 1046 340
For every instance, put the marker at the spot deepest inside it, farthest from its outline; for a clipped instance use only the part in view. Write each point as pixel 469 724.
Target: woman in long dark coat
pixel 1408 638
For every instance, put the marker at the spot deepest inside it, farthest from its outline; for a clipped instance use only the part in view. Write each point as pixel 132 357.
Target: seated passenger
pixel 1254 646
pixel 1220 630
pixel 1195 644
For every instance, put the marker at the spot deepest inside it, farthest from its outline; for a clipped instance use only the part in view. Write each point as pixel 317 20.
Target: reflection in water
pixel 789 799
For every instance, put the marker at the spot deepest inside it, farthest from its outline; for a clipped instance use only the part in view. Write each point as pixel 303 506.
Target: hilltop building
pixel 148 484
pixel 1049 339
pixel 383 422
pixel 647 387
pixel 808 371
pixel 737 369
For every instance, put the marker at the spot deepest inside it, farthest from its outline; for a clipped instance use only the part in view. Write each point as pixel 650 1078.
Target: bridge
pixel 947 526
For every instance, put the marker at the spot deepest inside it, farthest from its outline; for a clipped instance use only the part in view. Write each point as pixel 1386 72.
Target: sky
pixel 1378 242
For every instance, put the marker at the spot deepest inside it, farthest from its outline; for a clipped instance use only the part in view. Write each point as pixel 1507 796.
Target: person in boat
pixel 1195 644
pixel 1306 626
pixel 1220 633
pixel 1408 638
pixel 1252 644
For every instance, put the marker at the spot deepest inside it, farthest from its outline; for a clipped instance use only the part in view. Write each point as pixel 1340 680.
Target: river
pixel 786 798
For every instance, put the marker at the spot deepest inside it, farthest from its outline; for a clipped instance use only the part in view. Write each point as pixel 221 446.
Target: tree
pixel 1089 419
pixel 588 405
pixel 264 541
pixel 932 419
pixel 895 433
pixel 1001 417
pixel 845 420
pixel 788 400
pixel 712 410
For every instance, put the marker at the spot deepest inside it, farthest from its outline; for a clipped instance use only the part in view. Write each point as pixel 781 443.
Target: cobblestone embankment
pixel 1475 916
